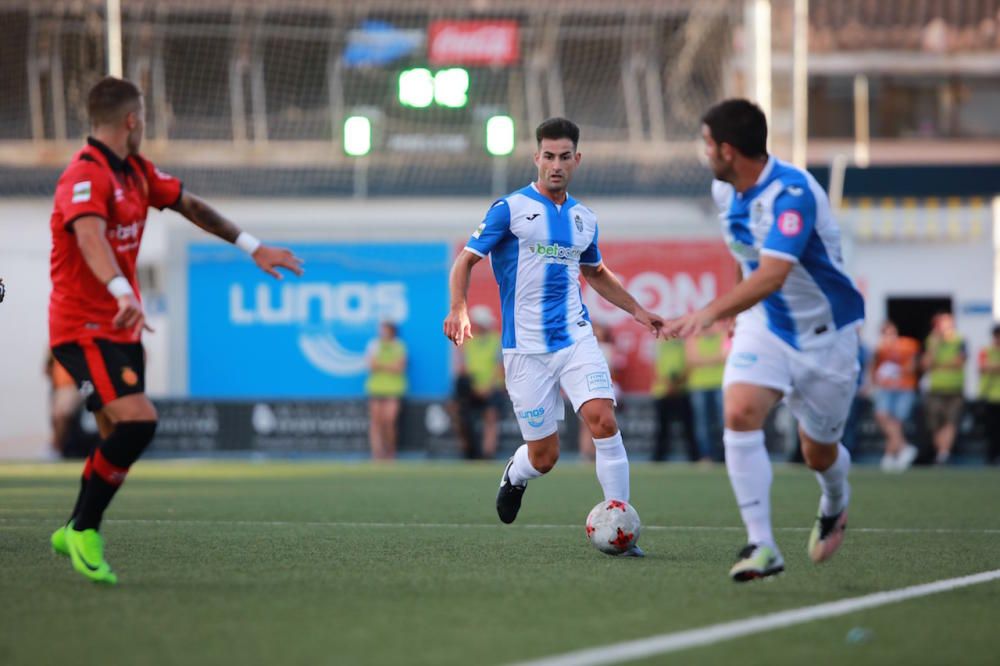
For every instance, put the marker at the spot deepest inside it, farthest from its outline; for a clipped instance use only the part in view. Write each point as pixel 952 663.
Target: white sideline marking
pixel 532 526
pixel 716 633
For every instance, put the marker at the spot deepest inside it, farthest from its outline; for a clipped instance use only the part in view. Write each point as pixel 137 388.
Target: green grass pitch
pixel 326 563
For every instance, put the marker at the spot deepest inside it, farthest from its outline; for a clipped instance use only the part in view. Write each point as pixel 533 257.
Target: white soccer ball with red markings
pixel 613 527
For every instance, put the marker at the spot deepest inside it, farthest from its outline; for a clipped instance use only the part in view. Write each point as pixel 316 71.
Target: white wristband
pixel 119 286
pixel 247 243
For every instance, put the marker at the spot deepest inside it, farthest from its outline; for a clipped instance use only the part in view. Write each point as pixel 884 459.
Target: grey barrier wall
pixel 285 428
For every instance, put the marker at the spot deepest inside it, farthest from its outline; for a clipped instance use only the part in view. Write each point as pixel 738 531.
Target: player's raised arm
pixel 613 291
pixel 100 258
pixel 269 258
pixel 457 326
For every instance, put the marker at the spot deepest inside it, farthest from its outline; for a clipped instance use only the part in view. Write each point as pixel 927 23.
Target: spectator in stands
pixel 989 393
pixel 894 377
pixel 944 361
pixel 706 361
pixel 386 386
pixel 479 386
pixel 672 401
pixel 616 363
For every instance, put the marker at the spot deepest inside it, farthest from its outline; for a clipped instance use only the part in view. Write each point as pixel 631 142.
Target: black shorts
pixel 104 370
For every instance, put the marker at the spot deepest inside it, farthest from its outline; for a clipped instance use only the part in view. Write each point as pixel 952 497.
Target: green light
pixel 357 136
pixel 416 88
pixel 451 87
pixel 500 135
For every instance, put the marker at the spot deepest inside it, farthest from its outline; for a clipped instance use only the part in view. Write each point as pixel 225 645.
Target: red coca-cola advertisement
pixel 666 276
pixel 473 43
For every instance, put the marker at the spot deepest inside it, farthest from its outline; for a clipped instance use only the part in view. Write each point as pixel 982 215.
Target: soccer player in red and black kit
pixel 95 313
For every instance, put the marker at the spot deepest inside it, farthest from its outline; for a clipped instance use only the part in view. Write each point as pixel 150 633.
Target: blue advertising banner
pixel 250 335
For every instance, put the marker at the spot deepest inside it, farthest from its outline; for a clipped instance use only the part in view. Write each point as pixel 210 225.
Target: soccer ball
pixel 613 527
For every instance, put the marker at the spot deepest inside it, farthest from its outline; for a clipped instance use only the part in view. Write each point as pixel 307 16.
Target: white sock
pixel 522 471
pixel 833 482
pixel 612 467
pixel 750 475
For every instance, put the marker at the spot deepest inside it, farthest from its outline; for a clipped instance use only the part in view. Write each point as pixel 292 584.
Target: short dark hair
pixel 558 128
pixel 996 330
pixel 108 98
pixel 740 123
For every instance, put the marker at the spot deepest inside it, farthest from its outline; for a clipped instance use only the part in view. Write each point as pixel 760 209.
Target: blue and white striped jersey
pixel 786 214
pixel 536 249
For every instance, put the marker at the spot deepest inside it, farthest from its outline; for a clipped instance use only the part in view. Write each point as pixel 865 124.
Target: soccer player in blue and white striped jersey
pixel 540 241
pixel 796 334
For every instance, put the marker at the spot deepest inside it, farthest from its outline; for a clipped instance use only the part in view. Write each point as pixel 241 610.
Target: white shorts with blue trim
pixel 818 384
pixel 534 380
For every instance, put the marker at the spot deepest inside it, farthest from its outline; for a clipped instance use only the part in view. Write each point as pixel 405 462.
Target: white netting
pixel 250 97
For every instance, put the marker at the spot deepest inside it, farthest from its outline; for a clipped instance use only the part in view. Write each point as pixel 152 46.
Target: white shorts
pixel 819 384
pixel 533 382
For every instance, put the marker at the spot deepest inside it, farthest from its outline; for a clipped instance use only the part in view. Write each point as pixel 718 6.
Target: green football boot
pixel 86 550
pixel 58 540
pixel 756 561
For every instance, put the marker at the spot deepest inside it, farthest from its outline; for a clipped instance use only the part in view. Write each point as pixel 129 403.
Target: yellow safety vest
pixel 669 369
pixel 947 380
pixel 989 382
pixel 383 383
pixel 707 377
pixel 482 354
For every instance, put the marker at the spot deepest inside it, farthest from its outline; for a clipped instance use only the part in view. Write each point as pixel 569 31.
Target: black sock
pixel 111 462
pixel 95 500
pixel 84 478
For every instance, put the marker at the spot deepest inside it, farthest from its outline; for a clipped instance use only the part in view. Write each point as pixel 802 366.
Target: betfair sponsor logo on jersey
pixel 556 253
pixel 743 250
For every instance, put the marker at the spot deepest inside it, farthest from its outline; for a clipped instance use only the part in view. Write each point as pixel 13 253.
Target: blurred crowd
pixel 921 388
pixel 916 390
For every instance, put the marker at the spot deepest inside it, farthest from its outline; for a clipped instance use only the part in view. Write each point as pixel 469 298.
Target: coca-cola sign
pixel 472 42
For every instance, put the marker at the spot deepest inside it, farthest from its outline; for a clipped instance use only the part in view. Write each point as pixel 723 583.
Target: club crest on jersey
pixel 129 376
pixel 81 192
pixel 790 223
pixel 579 222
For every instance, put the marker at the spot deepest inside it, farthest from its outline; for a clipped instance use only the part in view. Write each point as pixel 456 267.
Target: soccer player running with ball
pixel 796 333
pixel 96 317
pixel 540 240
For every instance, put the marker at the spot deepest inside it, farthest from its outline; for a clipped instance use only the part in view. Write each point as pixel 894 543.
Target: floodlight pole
pixel 996 258
pixel 862 131
pixel 499 176
pixel 758 19
pixel 114 19
pixel 800 84
pixel 361 177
